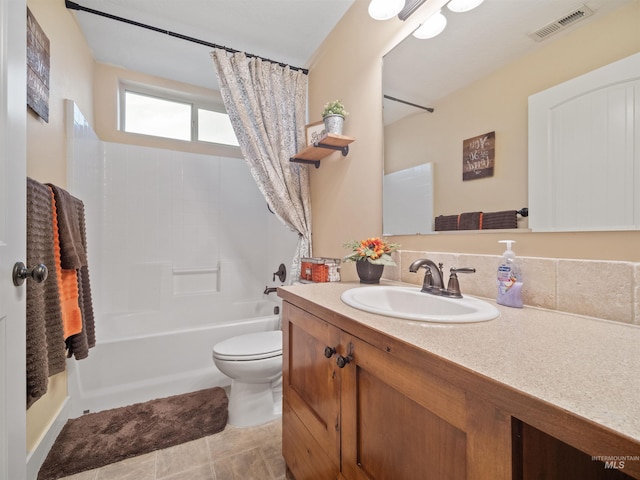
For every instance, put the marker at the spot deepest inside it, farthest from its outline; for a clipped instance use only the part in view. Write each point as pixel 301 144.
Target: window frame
pixel 195 103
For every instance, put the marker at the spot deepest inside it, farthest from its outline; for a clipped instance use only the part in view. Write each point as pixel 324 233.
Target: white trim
pixel 213 102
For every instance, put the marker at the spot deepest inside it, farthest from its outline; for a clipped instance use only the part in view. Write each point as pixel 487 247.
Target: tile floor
pixel 233 454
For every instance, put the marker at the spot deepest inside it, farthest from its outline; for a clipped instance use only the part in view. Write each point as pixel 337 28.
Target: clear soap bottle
pixel 509 278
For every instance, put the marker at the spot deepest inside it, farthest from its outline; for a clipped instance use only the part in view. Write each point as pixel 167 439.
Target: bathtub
pixel 142 355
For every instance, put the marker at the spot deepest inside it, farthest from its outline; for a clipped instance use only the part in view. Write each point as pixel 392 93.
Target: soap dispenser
pixel 509 278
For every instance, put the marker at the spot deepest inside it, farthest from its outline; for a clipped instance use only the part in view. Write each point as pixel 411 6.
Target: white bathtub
pixel 142 355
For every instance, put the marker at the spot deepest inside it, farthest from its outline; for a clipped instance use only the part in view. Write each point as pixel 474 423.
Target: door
pixel 398 420
pixel 311 389
pixel 13 19
pixel 583 151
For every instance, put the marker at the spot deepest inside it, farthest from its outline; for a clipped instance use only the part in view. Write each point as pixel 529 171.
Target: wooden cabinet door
pixel 398 421
pixel 311 390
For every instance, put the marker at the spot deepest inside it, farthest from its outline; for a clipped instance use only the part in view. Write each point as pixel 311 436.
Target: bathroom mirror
pixel 477 76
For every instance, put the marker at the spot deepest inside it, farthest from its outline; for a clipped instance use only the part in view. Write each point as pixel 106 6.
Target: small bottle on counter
pixel 509 278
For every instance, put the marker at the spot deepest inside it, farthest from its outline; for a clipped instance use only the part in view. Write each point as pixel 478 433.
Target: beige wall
pixel 71 76
pixel 347 192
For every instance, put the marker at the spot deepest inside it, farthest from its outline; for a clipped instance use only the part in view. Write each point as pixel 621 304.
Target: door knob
pixel 38 273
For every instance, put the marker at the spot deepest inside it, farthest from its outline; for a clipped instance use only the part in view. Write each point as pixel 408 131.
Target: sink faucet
pixel 432 282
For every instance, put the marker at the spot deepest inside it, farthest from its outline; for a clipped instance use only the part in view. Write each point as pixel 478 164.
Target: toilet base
pixel 252 404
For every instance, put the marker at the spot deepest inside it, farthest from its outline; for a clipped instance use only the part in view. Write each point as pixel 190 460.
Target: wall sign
pixel 38 56
pixel 315 132
pixel 478 156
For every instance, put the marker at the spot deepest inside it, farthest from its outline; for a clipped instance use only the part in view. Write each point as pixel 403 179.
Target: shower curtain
pixel 266 103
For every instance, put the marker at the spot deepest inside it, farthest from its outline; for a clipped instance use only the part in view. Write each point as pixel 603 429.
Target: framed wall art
pixel 38 59
pixel 478 156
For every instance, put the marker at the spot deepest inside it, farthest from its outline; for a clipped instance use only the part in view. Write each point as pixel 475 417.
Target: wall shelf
pixel 315 152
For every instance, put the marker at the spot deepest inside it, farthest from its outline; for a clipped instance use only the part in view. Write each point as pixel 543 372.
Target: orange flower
pixel 372 247
pixel 374 250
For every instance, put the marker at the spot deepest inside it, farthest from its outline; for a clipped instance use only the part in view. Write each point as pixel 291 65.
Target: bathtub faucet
pixel 268 290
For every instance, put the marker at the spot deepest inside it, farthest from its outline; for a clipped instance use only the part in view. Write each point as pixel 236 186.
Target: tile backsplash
pixel 603 289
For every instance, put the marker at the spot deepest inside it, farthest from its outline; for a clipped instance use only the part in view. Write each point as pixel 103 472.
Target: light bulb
pixel 433 26
pixel 385 9
pixel 460 6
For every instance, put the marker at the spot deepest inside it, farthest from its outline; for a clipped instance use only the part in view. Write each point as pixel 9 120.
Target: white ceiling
pixel 473 44
pixel 287 31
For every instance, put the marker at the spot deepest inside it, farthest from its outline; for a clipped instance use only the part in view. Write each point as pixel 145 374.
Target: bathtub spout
pixel 268 290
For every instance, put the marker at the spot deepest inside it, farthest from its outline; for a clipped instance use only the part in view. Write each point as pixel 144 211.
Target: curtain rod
pixel 428 109
pixel 74 6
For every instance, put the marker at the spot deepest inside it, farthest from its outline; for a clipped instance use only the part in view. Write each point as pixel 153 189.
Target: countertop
pixel 587 366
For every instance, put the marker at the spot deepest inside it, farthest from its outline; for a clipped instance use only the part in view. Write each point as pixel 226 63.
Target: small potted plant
pixel 333 116
pixel 370 255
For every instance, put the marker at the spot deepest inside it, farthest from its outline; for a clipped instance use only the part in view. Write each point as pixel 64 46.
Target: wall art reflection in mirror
pixel 478 157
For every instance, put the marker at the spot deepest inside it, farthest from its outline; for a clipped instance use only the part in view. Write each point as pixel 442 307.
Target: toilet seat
pixel 252 346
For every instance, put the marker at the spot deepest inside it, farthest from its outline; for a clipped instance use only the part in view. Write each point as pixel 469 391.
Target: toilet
pixel 254 363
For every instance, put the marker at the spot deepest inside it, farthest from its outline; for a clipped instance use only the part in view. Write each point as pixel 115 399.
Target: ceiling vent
pixel 561 23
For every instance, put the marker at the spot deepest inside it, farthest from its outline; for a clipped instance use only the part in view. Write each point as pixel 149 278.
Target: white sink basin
pixel 412 304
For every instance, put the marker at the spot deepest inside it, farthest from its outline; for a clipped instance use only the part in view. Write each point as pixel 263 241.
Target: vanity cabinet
pixel 362 404
pixel 363 413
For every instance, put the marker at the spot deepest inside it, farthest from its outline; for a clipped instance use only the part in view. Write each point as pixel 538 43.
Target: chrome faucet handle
pixel 462 270
pixel 453 287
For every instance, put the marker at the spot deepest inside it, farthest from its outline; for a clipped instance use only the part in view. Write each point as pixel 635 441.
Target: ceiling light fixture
pixel 434 25
pixel 385 9
pixel 460 6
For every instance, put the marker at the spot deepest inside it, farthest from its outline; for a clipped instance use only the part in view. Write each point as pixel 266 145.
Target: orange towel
pixel 67 285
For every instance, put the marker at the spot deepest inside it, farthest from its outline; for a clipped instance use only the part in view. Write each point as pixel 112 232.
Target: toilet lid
pixel 251 346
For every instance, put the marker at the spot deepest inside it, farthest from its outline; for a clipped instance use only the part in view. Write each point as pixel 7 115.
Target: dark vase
pixel 369 272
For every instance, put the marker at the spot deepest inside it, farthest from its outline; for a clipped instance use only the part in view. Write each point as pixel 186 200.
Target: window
pixel 149 112
pixel 156 116
pixel 215 127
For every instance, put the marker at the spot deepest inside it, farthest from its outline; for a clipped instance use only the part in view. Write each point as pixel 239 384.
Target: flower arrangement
pixel 374 250
pixel 334 108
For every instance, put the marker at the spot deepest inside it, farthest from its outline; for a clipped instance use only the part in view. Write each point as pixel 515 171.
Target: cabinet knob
pixel 329 352
pixel 342 361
